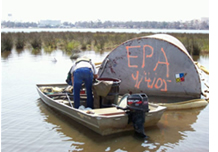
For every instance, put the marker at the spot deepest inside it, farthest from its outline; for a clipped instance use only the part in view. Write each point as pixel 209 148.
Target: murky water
pixel 30 125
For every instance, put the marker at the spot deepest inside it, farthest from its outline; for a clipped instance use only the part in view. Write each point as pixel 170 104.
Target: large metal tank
pixel 158 65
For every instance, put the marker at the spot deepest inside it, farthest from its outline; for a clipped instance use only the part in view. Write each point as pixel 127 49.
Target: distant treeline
pixel 193 24
pixel 10 24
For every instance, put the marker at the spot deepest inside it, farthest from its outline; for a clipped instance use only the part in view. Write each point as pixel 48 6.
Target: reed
pixel 71 46
pixel 49 40
pixel 70 42
pixel 194 43
pixel 6 42
pixel 20 40
pixel 35 40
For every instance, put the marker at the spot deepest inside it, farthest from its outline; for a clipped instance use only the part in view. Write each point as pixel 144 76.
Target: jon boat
pixel 104 121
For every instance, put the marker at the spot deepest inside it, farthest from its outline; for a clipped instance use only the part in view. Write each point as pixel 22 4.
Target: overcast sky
pixel 113 10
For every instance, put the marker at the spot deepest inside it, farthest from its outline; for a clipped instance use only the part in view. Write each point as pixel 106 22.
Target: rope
pixel 202 68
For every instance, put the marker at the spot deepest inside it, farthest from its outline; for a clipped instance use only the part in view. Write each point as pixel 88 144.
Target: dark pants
pixel 83 75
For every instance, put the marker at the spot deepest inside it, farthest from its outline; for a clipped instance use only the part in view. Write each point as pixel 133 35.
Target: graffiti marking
pixel 166 62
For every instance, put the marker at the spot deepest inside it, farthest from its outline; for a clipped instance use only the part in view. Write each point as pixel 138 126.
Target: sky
pixel 104 10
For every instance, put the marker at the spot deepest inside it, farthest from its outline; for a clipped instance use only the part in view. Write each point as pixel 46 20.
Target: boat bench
pixel 108 111
pixel 101 111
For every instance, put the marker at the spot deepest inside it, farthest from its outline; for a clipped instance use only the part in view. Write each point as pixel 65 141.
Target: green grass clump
pixel 6 42
pixel 35 41
pixel 71 46
pixel 20 41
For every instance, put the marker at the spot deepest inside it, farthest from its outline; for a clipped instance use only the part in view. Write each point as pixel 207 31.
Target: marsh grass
pixel 72 45
pixel 70 42
pixel 195 44
pixel 35 40
pixel 49 42
pixel 20 41
pixel 6 42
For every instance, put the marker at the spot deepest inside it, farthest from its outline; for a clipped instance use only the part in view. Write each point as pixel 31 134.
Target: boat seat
pixel 108 111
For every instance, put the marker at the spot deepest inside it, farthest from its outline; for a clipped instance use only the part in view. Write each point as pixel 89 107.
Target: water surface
pixel 30 125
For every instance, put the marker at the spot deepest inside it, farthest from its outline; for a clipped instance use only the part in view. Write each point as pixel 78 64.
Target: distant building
pixel 49 23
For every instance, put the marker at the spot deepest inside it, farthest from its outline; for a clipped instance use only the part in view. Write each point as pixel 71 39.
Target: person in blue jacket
pixel 83 71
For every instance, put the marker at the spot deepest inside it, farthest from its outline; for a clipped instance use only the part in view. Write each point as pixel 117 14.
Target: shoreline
pixel 105 30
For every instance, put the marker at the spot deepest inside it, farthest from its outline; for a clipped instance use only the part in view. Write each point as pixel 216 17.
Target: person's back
pixel 83 71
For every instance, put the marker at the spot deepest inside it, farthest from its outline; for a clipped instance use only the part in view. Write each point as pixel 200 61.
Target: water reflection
pixel 6 54
pixel 36 52
pixel 196 57
pixel 19 51
pixel 171 129
pixel 49 50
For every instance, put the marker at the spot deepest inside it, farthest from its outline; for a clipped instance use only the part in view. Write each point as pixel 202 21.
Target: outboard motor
pixel 137 106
